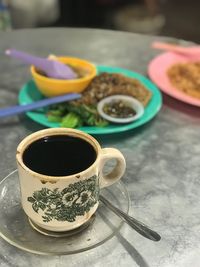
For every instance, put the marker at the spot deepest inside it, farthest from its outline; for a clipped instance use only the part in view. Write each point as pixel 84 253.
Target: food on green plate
pixel 107 84
pixel 83 112
pixel 119 109
pixel 72 116
pixel 186 77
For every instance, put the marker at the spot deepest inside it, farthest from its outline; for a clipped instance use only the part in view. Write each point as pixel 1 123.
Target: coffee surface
pixel 59 155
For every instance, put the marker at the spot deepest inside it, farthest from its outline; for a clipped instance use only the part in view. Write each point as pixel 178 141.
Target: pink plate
pixel 157 71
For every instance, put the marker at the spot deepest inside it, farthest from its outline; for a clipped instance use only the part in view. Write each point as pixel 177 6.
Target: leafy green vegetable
pixel 73 116
pixel 56 113
pixel 53 118
pixel 89 115
pixel 71 120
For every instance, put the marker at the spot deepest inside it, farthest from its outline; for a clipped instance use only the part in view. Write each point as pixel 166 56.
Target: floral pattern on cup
pixel 65 205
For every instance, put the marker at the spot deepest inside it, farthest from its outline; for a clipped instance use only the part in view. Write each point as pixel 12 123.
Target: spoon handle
pixel 5 112
pixel 170 47
pixel 52 68
pixel 38 62
pixel 141 228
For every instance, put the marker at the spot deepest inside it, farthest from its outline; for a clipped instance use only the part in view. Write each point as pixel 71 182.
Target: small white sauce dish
pixel 130 101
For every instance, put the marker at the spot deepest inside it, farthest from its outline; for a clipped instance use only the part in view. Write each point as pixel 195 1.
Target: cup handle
pixel 118 170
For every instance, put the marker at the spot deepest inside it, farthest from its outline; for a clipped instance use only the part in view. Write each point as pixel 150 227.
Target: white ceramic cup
pixel 41 193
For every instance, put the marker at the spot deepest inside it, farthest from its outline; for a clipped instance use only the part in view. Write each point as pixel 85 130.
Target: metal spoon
pixel 135 224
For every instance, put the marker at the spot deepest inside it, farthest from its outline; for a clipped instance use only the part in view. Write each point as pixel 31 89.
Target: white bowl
pixel 132 102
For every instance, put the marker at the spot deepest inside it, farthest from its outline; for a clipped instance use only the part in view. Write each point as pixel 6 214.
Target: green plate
pixel 29 93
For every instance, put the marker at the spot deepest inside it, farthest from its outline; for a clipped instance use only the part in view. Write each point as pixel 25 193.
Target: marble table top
pixel 163 169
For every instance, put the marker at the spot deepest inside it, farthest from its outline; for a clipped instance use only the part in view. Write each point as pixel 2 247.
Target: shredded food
pixel 186 77
pixel 107 84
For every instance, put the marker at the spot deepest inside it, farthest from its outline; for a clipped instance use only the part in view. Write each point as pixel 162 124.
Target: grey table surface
pixel 163 169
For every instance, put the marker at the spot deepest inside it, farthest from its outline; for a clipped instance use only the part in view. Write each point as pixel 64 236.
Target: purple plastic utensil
pixel 5 112
pixel 52 68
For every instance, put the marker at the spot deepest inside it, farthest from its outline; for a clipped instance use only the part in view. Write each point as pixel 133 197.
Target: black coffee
pixel 59 155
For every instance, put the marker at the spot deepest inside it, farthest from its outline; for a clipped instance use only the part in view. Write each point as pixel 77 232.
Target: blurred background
pixel 175 18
